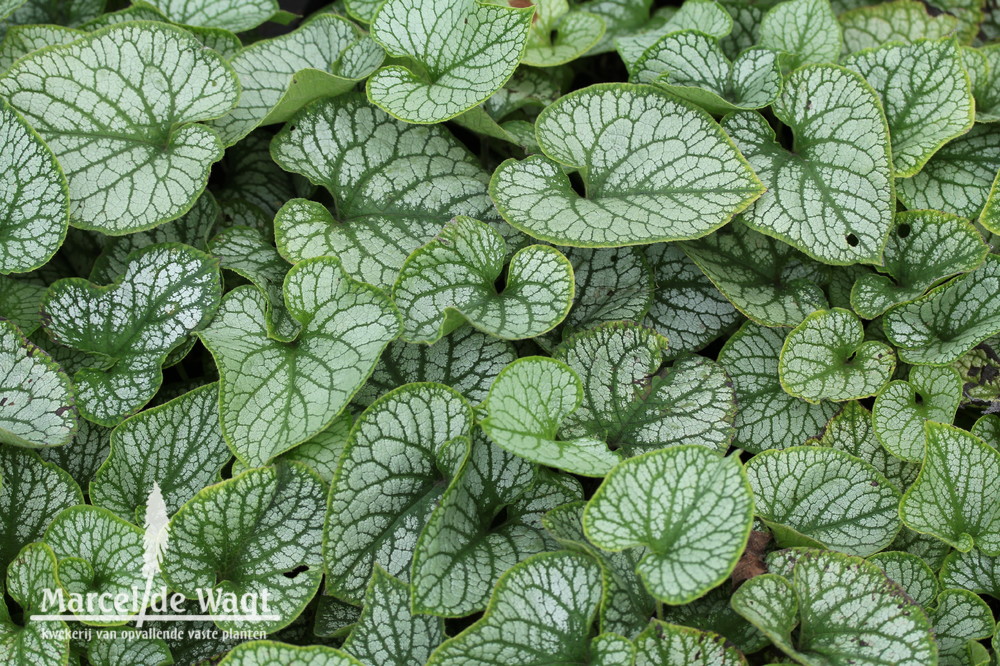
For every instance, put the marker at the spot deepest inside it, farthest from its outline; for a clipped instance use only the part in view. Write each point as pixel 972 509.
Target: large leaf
pixel 451 280
pixel 635 403
pixel 950 320
pixel 960 617
pixel 457 53
pixel 394 186
pixel 846 611
pixel 132 146
pixel 527 404
pixel 691 509
pixel 35 211
pixel 896 21
pixel 954 497
pixel 275 395
pixel 827 358
pixel 166 292
pixel 178 446
pixel 234 15
pixel 260 531
pixel 768 417
pixel 805 31
pixel 831 195
pixel 540 614
pixel 818 496
pixel 902 407
pixel 670 173
pixel 325 57
pixel 37 406
pixel 401 453
pixel 926 96
pixel 924 248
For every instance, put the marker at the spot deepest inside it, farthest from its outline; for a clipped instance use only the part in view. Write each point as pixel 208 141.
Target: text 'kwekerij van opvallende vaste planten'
pixel 499 332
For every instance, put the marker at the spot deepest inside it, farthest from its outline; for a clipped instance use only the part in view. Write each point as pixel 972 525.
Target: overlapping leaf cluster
pixel 602 332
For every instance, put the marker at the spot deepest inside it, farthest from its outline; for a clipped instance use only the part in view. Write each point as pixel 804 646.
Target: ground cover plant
pixel 488 332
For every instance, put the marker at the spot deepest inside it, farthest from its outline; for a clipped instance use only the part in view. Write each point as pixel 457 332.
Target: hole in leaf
pixel 294 573
pixel 576 182
pixel 852 240
pixel 500 519
pixel 918 399
pixel 850 359
pixel 501 282
pixel 553 36
pixel 903 230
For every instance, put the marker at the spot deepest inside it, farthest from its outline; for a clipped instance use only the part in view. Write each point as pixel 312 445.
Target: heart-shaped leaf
pixel 488 520
pixel 950 320
pixel 133 147
pixel 387 632
pixel 635 403
pixel 925 94
pixel 896 21
pixel 691 508
pixel 232 15
pixel 663 643
pixel 832 196
pixel 451 280
pixel 705 16
pixel 401 453
pixel 805 31
pixel 974 571
pixel 32 493
pixel 271 653
pixel 768 417
pixel 827 358
pixel 960 617
pixel 178 446
pixel 260 531
pixel 670 174
pixel 924 248
pixel 691 65
pixel 394 186
pixel 34 214
pixel 38 642
pixel 166 292
pixel 457 53
pixel 912 573
pixel 845 608
pixel 327 56
pixel 37 405
pixel 902 407
pixel 560 34
pixel 957 178
pixel 540 613
pixel 527 404
pixel 345 327
pixel 954 498
pixel 766 279
pixel 819 496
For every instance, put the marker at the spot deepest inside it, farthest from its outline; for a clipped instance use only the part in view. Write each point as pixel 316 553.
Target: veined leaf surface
pixel 902 407
pixel 272 653
pixel 896 21
pixel 38 642
pixel 233 15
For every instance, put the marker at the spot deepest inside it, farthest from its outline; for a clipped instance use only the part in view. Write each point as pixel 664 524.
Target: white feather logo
pixel 154 543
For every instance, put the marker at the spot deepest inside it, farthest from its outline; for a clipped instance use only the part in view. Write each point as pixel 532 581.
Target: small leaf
pixel 635 403
pixel 766 279
pixel 560 34
pixel 326 57
pixel 705 16
pixel 20 302
pixel 451 280
pixel 34 214
pixel 826 358
pixel 37 405
pixel 818 496
pixel 924 248
pixel 896 21
pixel 960 617
pixel 691 508
pixel 81 458
pixel 614 284
pixel 540 613
pixel 177 446
pixel 136 149
pixel 457 54
pixel 232 15
pixel 258 531
pixel 974 571
pixel 393 186
pixel 846 610
pixel 672 174
pixel 806 31
pixel 38 642
pixel 941 326
pixel 664 643
pixel 953 498
pixel 526 405
pixel 345 327
pixel 387 633
pixel 768 417
pixel 912 573
pixel 691 65
pixel 166 292
pixel 271 653
pixel 123 647
pixel 925 94
pixel 902 408
pixel 398 460
pixel 832 196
